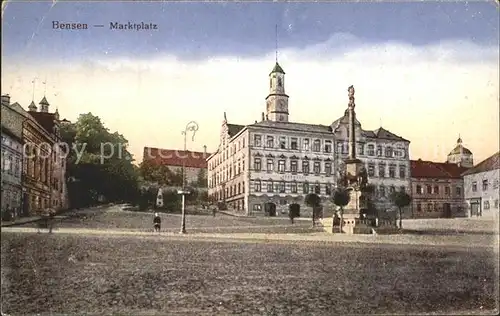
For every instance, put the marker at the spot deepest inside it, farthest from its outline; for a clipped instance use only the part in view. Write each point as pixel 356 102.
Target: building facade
pixel 437 190
pixel 43 175
pixel 12 157
pixel 481 188
pixel 266 166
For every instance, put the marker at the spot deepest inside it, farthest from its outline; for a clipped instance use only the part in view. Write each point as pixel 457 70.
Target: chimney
pixel 263 117
pixel 6 99
pixel 205 149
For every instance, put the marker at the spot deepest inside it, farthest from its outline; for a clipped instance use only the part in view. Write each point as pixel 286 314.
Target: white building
pixel 268 165
pixel 481 187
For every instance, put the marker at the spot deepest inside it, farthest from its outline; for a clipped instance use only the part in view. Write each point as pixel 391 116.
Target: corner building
pixel 264 167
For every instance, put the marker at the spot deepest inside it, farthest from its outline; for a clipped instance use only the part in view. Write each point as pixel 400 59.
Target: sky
pixel 427 71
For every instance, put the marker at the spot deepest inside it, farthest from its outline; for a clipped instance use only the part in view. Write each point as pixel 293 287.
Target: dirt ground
pixel 81 275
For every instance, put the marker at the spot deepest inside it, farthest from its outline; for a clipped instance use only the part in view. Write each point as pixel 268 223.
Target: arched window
pixel 280 83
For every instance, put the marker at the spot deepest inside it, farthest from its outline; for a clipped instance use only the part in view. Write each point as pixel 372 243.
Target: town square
pixel 309 159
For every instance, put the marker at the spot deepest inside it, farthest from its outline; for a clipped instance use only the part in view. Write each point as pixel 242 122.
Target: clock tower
pixel 277 100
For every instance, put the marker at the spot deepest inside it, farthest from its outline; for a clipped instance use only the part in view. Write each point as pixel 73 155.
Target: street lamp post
pixel 190 127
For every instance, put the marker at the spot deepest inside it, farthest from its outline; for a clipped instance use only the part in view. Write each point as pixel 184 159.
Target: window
pixel 280 82
pixel 379 150
pixel 282 142
pixel 282 187
pixel 328 146
pixel 361 149
pixel 388 151
pixel 305 167
pixel 419 207
pixel 436 189
pixel 458 191
pixel 293 187
pixel 429 189
pixel 257 141
pixel 317 189
pixel 270 142
pixel 317 145
pixel 257 207
pixel 381 170
pixel 294 143
pixel 402 172
pixel 293 166
pixel 392 189
pixel 486 205
pixel 257 164
pixel 430 207
pixel 392 171
pixel 474 186
pixel 239 188
pixel 17 167
pixel 305 187
pixel 371 150
pixel 447 190
pixel 328 189
pixel 485 185
pixel 270 186
pixel 496 203
pixel 281 165
pixel 340 146
pixel 381 191
pixel 305 144
pixel 328 168
pixel 270 165
pixel 496 184
pixel 371 170
pixel 317 167
pixel 270 83
pixel 402 188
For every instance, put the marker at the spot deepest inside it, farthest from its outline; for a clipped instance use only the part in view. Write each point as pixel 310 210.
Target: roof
pixel 234 129
pixel 490 163
pixel 44 101
pixel 277 68
pixel 437 170
pixel 460 149
pixel 379 133
pixel 7 131
pixel 315 128
pixel 173 157
pixel 46 120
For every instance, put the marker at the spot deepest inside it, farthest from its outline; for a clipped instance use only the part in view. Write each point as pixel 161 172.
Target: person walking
pixel 157 222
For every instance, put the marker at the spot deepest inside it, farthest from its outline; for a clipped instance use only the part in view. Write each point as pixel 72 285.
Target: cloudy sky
pixel 427 71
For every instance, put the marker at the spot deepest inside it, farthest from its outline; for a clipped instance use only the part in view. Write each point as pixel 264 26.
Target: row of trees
pixel 99 166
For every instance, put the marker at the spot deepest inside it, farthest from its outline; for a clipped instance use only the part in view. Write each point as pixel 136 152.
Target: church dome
pixel 460 148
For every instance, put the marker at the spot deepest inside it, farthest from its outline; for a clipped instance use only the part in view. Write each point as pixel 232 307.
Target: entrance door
pixel 475 209
pixel 270 209
pixel 446 210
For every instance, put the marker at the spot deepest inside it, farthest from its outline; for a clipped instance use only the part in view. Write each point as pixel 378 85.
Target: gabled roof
pixel 234 129
pixel 7 131
pixel 44 101
pixel 173 157
pixel 315 128
pixel 426 169
pixel 490 163
pixel 453 169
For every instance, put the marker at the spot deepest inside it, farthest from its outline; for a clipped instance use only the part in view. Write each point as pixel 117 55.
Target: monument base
pixel 353 224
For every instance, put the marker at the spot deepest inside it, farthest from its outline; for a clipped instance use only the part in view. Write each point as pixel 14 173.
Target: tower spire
pixel 276 41
pixel 33 90
pixel 45 86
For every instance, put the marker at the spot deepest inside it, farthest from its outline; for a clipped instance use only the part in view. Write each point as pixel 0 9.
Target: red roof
pixel 430 169
pixel 173 157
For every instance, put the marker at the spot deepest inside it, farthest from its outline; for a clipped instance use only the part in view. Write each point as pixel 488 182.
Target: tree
pixel 400 199
pixel 99 163
pixel 202 180
pixel 314 201
pixel 341 198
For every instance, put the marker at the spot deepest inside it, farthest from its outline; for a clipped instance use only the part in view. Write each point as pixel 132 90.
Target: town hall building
pixel 266 166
